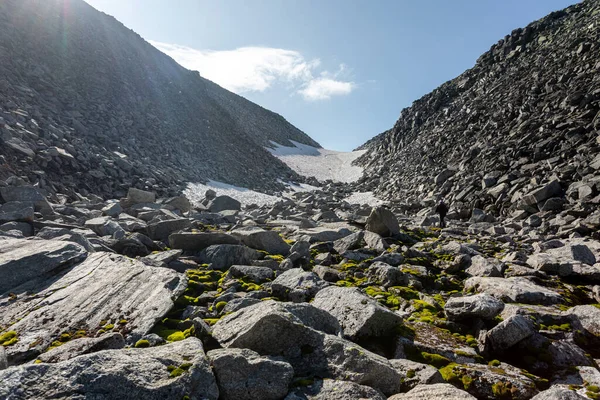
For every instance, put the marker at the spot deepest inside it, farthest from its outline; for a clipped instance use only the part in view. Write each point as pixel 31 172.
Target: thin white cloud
pixel 257 69
pixel 324 88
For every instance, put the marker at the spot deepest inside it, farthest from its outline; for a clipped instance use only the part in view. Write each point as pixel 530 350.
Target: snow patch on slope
pixel 321 163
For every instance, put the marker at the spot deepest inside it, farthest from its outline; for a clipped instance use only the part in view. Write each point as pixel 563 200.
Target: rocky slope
pixel 86 105
pixel 526 115
pixel 309 298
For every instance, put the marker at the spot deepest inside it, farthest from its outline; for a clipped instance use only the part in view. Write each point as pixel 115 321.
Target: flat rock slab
pixel 105 288
pixel 514 290
pixel 199 241
pixel 24 260
pixel 117 374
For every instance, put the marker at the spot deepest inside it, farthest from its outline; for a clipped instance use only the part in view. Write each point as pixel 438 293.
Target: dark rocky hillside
pixel 86 105
pixel 525 115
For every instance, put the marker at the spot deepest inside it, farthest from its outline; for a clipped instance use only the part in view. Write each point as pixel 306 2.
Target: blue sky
pixel 340 70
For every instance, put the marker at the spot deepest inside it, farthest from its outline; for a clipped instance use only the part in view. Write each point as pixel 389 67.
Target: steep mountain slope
pixel 526 114
pixel 87 105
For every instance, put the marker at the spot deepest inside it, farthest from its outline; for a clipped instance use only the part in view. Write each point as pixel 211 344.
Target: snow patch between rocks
pixel 321 163
pixel 195 192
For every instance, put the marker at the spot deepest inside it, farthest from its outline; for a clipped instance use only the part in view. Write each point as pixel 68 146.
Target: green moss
pixel 176 372
pixel 411 373
pixel 109 327
pixel 404 292
pixel 220 305
pixel 435 359
pixel 472 342
pixel 494 363
pixel 211 321
pixel 37 362
pixel 563 327
pixel 593 388
pixel 142 343
pixel 9 338
pixel 277 257
pixel 592 395
pixel 176 336
pixel 450 375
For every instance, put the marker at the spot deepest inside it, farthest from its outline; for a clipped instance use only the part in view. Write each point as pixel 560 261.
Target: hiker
pixel 442 210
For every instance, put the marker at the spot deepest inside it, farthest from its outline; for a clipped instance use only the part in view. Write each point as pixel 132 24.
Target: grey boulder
pixel 415 373
pixel 243 374
pixel 360 316
pixel 508 333
pixel 261 239
pixel 24 260
pixel 118 374
pixel 480 305
pixel 199 241
pixel 304 336
pixel 81 346
pixel 382 222
pixel 222 203
pixel 297 285
pixel 223 256
pixel 104 289
pixel 513 290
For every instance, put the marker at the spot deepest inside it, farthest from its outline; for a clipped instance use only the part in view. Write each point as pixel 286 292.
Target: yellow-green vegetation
pixel 175 371
pixel 494 363
pixel 298 382
pixel 220 305
pixel 411 373
pixel 562 327
pixel 8 338
pixel 592 391
pixel 277 257
pixel 142 343
pixel 451 374
pixel 405 292
pixel 211 321
pixel 435 359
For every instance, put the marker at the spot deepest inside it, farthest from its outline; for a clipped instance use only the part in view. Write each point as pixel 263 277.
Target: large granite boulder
pixel 261 239
pixel 360 316
pixel 223 256
pixel 382 222
pixel 304 336
pixel 173 371
pixel 243 374
pixel 104 290
pixel 481 305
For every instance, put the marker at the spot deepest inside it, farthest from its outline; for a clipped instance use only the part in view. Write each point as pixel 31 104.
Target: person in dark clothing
pixel 442 210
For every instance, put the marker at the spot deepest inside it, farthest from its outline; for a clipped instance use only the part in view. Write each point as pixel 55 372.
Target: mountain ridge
pixel 79 81
pixel 492 134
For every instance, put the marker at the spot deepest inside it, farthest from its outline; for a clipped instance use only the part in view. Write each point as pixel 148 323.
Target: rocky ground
pixel 310 298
